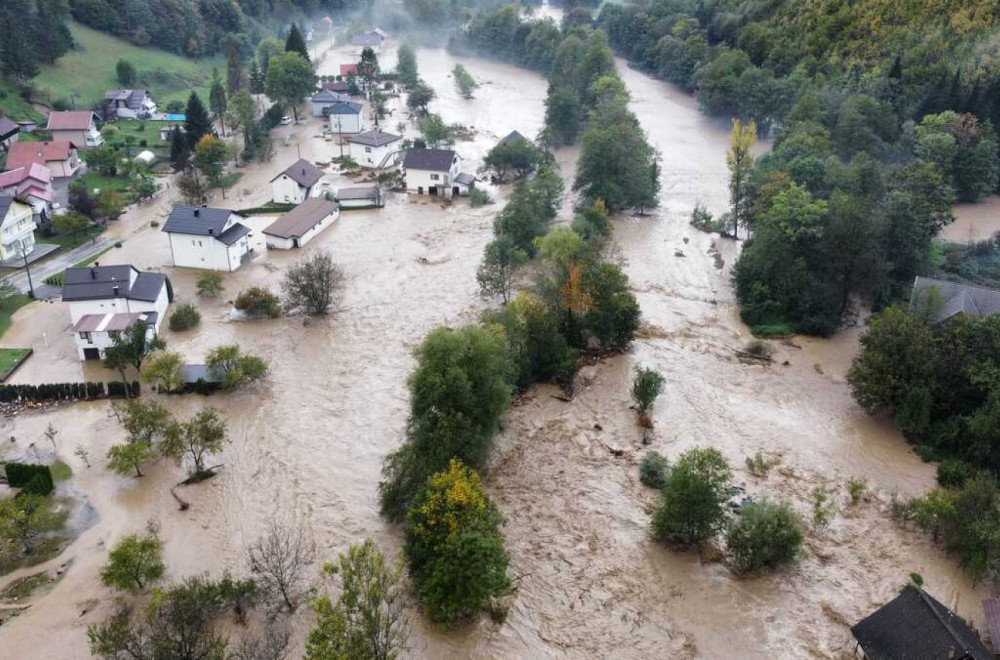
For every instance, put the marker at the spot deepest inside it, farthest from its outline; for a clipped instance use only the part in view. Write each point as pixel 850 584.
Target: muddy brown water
pixel 307 446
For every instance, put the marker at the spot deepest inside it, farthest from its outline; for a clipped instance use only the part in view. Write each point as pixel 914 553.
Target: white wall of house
pixel 99 340
pixel 80 139
pixel 286 190
pixel 17 229
pixel 421 181
pixel 349 124
pixel 366 156
pixel 206 252
pixel 80 308
pixel 280 243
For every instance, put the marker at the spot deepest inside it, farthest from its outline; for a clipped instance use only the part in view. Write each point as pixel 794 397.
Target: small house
pixel 78 127
pixel 436 173
pixel 59 156
pixel 129 104
pixel 95 333
pixel 349 69
pixel 337 87
pixel 301 224
pixel 375 148
pixel 17 227
pixel 10 130
pixel 360 197
pixel 367 40
pixel 324 98
pixel 346 117
pixel 295 184
pixel 379 32
pixel 955 299
pixel 210 238
pixel 915 625
pixel 33 184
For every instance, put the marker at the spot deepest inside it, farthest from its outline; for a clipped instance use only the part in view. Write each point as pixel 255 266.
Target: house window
pixel 435 177
pixel 85 336
pixel 368 150
pixel 194 242
pixel 199 243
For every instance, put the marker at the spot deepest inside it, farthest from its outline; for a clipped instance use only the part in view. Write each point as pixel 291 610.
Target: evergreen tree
pixel 17 47
pixel 217 99
pixel 197 123
pixel 256 78
pixel 296 43
pixel 180 150
pixel 52 39
pixel 234 71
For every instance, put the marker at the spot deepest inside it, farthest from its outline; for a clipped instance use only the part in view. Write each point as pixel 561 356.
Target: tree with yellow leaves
pixel 740 161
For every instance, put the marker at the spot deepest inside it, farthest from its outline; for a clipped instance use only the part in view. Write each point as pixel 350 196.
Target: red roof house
pixel 348 69
pixel 57 155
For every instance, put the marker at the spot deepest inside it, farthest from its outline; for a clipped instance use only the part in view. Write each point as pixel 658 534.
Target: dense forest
pixel 32 32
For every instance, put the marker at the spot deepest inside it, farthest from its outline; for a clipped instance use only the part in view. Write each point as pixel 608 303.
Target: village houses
pixel 436 173
pixel 346 117
pixel 59 156
pixel 360 197
pixel 107 300
pixel 301 224
pixel 78 127
pixel 325 98
pixel 296 184
pixel 375 148
pixel 205 237
pixel 33 184
pixel 17 227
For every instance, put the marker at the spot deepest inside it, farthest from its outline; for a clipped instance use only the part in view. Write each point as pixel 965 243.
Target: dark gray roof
pixel 513 136
pixel 99 282
pixel 915 626
pixel 435 160
pixel 358 192
pixel 342 108
pixel 957 298
pixel 8 127
pixel 465 178
pixel 303 173
pixel 327 96
pixel 197 220
pixel 336 86
pixel 375 138
pixel 5 202
pixel 369 40
pixel 234 233
pixel 302 218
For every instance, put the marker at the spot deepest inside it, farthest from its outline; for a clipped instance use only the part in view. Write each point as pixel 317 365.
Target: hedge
pixel 30 478
pixel 65 391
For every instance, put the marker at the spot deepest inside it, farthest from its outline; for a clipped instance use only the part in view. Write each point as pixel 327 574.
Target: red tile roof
pixel 70 120
pixel 348 69
pixel 23 154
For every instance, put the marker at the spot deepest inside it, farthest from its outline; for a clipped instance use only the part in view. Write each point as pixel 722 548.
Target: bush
pixel 209 284
pixel 235 368
pixel 765 535
pixel 479 197
pixel 258 301
pixel 953 472
pixel 184 317
pixel 454 545
pixel 759 348
pixel 32 479
pixel 653 470
pixel 646 387
pixel 692 507
pixel 134 562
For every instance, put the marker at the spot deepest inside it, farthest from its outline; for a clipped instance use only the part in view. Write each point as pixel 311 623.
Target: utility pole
pixel 24 255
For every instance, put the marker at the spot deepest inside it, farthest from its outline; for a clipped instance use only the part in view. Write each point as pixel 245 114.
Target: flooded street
pixel 307 445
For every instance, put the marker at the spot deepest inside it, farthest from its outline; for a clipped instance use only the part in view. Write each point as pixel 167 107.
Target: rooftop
pixel 8 126
pixel 120 281
pixel 303 173
pixel 342 108
pixel 328 96
pixel 513 136
pixel 35 171
pixel 957 298
pixel 358 192
pixel 197 220
pixel 915 626
pixel 348 69
pixel 23 154
pixel 336 86
pixel 113 322
pixel 374 138
pixel 369 40
pixel 302 218
pixel 434 160
pixel 70 120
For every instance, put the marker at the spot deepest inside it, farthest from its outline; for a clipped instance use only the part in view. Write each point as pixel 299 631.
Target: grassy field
pixel 13 105
pixel 71 241
pixel 10 358
pixel 148 131
pixel 89 70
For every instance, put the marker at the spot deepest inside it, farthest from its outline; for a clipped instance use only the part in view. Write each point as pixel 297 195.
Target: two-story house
pixel 33 184
pixel 295 184
pixel 17 227
pixel 346 117
pixel 204 237
pixel 374 148
pixel 77 127
pixel 59 156
pixel 129 104
pixel 436 173
pixel 325 98
pixel 107 300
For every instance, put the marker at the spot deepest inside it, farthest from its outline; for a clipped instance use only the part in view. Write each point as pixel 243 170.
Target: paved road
pixel 58 263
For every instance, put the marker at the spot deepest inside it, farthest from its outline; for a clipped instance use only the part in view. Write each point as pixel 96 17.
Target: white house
pixel 436 173
pixel 375 148
pixel 78 127
pixel 301 224
pixel 105 300
pixel 210 238
pixel 129 104
pixel 296 184
pixel 34 185
pixel 325 98
pixel 346 117
pixel 360 197
pixel 17 227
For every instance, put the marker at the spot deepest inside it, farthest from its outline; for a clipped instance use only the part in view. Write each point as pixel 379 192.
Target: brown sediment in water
pixel 307 446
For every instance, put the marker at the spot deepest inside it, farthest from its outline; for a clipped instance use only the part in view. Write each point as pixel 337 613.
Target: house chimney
pixel 197 212
pixel 211 231
pixel 115 290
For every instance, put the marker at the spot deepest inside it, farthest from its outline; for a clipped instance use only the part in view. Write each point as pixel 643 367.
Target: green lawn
pixel 9 306
pixel 10 358
pixel 70 242
pixel 92 180
pixel 148 131
pixel 89 70
pixel 13 105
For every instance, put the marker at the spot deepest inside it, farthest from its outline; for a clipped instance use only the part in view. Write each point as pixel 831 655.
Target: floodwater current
pixel 307 446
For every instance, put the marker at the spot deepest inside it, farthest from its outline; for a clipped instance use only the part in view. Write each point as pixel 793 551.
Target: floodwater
pixel 307 446
pixel 974 222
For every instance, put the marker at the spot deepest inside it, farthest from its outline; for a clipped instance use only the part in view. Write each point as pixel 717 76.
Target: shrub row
pixel 30 478
pixel 65 391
